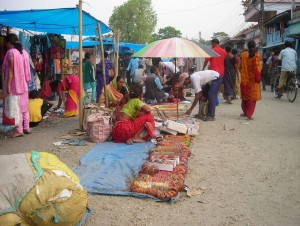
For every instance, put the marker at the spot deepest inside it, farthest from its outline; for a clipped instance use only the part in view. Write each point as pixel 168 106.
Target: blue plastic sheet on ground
pixel 108 167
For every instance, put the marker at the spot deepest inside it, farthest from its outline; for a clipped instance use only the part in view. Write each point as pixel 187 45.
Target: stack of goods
pixel 38 189
pixel 162 176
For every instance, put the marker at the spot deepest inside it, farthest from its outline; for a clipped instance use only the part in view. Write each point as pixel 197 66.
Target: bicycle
pixel 290 88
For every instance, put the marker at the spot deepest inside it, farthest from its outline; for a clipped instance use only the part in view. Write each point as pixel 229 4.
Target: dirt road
pixel 246 171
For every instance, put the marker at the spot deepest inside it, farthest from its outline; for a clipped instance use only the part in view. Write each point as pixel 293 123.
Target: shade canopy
pixel 175 47
pixel 56 21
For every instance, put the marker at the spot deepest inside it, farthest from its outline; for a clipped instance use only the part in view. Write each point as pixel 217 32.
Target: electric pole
pixel 261 26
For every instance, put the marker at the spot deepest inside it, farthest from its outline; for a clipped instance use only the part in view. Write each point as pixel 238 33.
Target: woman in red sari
pixel 70 83
pixel 250 79
pixel 136 123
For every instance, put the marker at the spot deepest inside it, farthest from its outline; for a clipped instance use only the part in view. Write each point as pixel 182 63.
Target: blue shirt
pixel 133 64
pixel 158 84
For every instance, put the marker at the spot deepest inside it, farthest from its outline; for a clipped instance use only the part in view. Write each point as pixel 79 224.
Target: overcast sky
pixel 188 16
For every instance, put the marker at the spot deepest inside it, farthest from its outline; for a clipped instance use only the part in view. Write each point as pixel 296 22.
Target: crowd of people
pixel 147 82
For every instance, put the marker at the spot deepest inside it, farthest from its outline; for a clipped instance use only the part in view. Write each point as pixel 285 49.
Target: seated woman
pixel 115 92
pixel 37 108
pixel 136 123
pixel 70 83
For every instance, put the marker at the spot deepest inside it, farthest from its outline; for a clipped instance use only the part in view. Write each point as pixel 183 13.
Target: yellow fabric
pixel 42 206
pixel 48 161
pixel 112 92
pixel 34 107
pixel 250 66
pixel 12 219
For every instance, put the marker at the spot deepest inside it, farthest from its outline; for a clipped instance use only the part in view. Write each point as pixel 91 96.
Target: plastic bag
pixel 12 108
pixel 99 127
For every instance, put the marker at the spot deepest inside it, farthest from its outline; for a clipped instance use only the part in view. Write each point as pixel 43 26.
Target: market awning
pixel 75 45
pixel 57 21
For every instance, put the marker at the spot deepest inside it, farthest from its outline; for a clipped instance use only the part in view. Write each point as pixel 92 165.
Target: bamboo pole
pixel 80 68
pixel 177 104
pixel 117 53
pixel 103 64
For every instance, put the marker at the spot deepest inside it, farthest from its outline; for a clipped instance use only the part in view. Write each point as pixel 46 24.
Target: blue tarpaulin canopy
pixel 56 21
pixel 124 47
pixel 135 47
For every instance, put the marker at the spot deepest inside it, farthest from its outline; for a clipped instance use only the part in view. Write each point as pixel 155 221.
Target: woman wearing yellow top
pixel 37 108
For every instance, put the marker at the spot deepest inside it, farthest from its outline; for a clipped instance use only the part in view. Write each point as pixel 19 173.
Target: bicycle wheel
pixel 291 90
pixel 275 86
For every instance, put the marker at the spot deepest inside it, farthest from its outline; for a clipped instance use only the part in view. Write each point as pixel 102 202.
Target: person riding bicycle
pixel 288 57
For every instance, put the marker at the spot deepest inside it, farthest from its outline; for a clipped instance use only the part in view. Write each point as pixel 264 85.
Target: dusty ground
pixel 248 172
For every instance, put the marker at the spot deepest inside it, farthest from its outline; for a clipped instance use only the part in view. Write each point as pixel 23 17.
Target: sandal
pixel 16 135
pixel 27 131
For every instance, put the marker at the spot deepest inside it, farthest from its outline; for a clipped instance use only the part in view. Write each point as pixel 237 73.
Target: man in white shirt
pixel 288 57
pixel 198 80
pixel 138 77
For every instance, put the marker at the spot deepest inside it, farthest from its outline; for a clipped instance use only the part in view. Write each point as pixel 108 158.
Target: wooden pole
pixel 177 104
pixel 103 64
pixel 117 54
pixel 80 68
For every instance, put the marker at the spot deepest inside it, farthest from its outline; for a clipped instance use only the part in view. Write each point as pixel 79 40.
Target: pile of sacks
pixel 38 189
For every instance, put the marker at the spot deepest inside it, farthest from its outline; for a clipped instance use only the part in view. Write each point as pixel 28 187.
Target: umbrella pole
pixel 177 104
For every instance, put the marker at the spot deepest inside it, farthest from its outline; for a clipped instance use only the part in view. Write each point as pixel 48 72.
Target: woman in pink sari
pixel 70 83
pixel 16 76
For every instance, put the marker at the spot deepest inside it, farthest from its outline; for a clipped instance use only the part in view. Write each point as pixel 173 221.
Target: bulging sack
pixel 99 127
pixel 12 108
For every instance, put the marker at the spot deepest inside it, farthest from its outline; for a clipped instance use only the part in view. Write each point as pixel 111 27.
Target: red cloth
pixel 248 107
pixel 7 121
pixel 217 63
pixel 126 129
pixel 46 91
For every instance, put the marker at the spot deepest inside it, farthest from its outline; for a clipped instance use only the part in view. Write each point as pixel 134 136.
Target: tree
pixel 246 4
pixel 135 19
pixel 220 35
pixel 166 32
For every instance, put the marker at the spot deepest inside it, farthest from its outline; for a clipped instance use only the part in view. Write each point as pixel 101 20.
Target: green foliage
pixel 202 41
pixel 220 35
pixel 246 4
pixel 135 19
pixel 166 32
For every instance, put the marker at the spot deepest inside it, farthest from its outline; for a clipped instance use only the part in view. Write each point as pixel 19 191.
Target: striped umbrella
pixel 175 47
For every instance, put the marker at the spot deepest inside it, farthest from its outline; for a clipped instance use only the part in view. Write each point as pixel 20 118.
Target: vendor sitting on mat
pixel 154 90
pixel 176 89
pixel 136 123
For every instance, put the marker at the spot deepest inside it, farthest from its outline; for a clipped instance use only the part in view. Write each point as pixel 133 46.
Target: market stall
pixel 64 21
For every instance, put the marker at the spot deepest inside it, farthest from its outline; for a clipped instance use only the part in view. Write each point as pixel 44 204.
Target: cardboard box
pixel 159 157
pixel 179 127
pixel 163 166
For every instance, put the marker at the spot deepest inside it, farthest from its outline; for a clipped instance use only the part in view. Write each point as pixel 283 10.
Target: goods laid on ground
pixel 163 175
pixel 38 189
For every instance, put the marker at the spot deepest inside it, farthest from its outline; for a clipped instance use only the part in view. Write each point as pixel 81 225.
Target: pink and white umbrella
pixel 175 47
